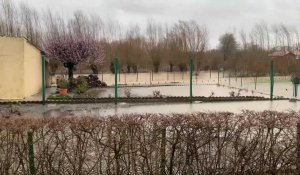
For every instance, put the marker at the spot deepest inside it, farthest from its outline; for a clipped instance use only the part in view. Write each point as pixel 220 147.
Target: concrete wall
pixel 32 70
pixel 11 68
pixel 20 69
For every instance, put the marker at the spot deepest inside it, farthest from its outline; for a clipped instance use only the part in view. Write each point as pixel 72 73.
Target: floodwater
pixel 204 85
pixel 59 110
pixel 198 90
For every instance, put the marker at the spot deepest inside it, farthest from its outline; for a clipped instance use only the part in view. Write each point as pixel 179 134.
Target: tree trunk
pixel 70 67
pixel 171 67
pixel 94 68
pixel 135 68
pixel 111 67
pixel 128 68
pixel 156 67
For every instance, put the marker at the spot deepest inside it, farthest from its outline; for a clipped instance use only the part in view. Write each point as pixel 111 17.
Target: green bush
pixel 64 84
pixel 59 97
pixel 82 87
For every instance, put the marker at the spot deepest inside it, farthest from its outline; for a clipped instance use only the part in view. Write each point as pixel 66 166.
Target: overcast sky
pixel 219 16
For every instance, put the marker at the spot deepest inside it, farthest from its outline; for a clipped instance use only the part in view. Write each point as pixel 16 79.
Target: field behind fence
pixel 199 143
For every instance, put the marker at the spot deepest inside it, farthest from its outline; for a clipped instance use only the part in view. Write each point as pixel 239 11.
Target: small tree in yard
pixel 71 50
pixel 71 47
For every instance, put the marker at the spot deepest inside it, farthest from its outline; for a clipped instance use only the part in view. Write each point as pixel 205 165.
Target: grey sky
pixel 219 16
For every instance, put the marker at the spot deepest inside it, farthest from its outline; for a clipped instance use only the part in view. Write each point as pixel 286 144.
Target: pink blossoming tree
pixel 71 46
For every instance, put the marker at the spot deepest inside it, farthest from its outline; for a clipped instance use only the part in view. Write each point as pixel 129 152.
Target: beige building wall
pixel 11 68
pixel 20 69
pixel 32 70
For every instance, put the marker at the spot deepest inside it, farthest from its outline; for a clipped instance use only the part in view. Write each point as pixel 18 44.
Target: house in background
pixel 297 53
pixel 282 55
pixel 20 69
pixel 285 61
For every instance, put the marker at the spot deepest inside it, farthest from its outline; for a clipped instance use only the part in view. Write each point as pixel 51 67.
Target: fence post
pixel 43 80
pixel 296 90
pixel 119 72
pixel 236 75
pixel 30 152
pixel 152 74
pixel 223 72
pixel 241 81
pixel 116 66
pixel 163 144
pixel 298 149
pixel 167 75
pixel 125 78
pixel 174 78
pixel 255 81
pixel 271 79
pixel 191 81
pixel 218 77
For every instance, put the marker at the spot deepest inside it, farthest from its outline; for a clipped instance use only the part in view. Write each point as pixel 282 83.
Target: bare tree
pixel 9 19
pixel 228 45
pixel 194 38
pixel 154 43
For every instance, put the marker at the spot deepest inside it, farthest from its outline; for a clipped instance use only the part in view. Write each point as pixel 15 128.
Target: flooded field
pixel 205 84
pixel 198 90
pixel 53 110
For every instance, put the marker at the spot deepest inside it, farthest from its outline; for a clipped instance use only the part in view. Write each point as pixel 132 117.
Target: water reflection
pixel 123 108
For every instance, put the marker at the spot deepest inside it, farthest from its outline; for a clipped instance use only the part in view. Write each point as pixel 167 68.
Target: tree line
pixel 157 47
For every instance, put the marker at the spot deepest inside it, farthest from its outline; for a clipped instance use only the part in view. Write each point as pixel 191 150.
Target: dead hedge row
pixel 199 143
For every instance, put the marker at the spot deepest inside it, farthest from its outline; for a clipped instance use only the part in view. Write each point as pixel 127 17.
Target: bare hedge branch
pixel 198 143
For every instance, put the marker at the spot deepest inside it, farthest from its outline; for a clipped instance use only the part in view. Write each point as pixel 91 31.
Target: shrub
pixel 212 94
pixel 127 92
pixel 64 84
pixel 82 86
pixel 197 143
pixel 156 93
pixel 232 94
pixel 92 81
